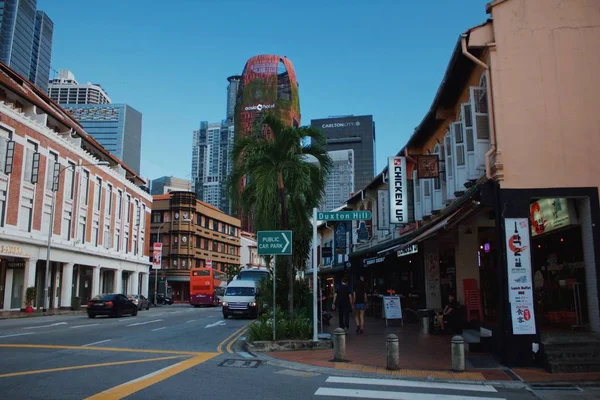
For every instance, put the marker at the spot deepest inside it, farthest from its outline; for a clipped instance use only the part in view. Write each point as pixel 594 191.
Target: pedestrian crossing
pixel 396 389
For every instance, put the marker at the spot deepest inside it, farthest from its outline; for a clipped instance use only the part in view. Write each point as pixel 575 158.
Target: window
pixel 198 219
pixel 206 244
pixel 198 242
pixel 232 230
pixel 128 205
pixel 95 233
pixel 206 222
pixel 215 246
pixel 70 181
pixel 126 242
pixel 118 239
pixel 5 137
pixel 97 193
pixel 157 216
pixel 136 215
pixel 52 160
pixel 2 206
pixel 215 225
pixel 30 150
pixel 66 225
pixel 82 227
pixel 106 240
pixel 153 238
pixel 143 217
pixel 109 195
pixel 25 214
pixel 46 218
pixel 135 245
pixel 119 204
pixel 85 186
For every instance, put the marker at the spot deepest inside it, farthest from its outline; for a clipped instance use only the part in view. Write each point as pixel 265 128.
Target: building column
pixel 95 281
pixel 55 286
pixel 145 284
pixel 29 279
pixel 467 262
pixel 118 281
pixel 66 286
pixel 433 293
pixel 134 279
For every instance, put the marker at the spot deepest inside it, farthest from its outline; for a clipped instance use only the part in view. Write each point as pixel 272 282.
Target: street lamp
pixel 55 181
pixel 156 270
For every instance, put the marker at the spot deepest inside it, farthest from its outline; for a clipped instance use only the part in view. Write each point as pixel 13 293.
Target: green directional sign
pixel 343 215
pixel 274 243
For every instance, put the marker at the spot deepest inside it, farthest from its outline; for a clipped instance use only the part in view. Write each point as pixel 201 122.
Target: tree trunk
pixel 284 226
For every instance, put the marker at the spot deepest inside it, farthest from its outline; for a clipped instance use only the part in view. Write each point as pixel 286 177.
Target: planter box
pixel 289 345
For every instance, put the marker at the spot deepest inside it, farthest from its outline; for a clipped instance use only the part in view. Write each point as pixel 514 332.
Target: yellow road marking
pixel 228 348
pixel 123 350
pixel 109 364
pixel 131 387
pixel 220 346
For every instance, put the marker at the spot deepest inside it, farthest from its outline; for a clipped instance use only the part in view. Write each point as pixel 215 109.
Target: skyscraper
pixel 166 184
pixel 65 89
pixel 211 163
pixel 232 92
pixel 268 84
pixel 356 133
pixel 340 182
pixel 117 127
pixel 26 40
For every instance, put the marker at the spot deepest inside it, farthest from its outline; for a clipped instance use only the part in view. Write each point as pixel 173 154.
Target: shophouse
pixel 504 205
pixel 59 186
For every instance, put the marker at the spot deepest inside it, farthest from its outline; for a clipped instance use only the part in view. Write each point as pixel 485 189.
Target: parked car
pixel 113 304
pixel 140 301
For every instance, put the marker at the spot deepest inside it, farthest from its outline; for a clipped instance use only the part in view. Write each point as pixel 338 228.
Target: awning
pixel 178 278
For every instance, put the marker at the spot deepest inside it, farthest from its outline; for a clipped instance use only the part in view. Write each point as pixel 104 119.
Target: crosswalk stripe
pixel 415 384
pixel 385 395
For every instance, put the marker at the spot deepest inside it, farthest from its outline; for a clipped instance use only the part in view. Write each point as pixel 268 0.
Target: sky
pixel 170 60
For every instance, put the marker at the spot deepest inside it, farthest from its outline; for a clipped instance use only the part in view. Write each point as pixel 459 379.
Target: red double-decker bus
pixel 207 286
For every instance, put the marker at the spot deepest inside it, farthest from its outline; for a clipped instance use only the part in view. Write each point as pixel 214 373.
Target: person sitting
pixel 448 316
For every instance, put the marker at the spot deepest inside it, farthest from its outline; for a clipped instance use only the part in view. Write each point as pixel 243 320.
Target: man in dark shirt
pixel 447 316
pixel 342 300
pixel 360 304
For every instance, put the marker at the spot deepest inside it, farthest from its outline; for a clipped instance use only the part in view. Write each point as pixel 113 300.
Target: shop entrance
pixel 490 276
pixel 559 279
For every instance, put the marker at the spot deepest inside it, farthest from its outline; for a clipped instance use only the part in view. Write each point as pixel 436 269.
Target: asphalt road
pixel 178 352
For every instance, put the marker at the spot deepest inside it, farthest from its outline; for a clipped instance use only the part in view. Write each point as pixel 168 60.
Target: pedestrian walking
pixel 342 300
pixel 359 300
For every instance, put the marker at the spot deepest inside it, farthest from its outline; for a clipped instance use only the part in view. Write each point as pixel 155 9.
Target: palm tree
pixel 282 183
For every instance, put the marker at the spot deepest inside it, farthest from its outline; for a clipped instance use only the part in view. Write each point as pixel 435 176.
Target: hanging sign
pixel 520 286
pixel 383 210
pixel 397 190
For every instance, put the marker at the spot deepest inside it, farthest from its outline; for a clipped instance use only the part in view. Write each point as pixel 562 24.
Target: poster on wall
pixel 433 277
pixel 520 287
pixel 383 210
pixel 549 214
pixel 397 190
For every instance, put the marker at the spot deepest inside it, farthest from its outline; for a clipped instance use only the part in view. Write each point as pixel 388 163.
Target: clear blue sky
pixel 170 60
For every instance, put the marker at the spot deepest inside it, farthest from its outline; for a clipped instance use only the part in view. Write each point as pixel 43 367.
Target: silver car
pixel 140 301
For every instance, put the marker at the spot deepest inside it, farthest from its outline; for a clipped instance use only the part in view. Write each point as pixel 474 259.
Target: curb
pixel 350 373
pixel 21 315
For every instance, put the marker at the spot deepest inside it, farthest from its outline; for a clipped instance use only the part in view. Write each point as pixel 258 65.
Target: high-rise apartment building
pixel 167 184
pixel 117 127
pixel 211 163
pixel 65 89
pixel 355 133
pixel 232 92
pixel 340 182
pixel 26 40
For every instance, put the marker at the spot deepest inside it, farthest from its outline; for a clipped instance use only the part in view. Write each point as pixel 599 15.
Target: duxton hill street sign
pixel 274 243
pixel 343 215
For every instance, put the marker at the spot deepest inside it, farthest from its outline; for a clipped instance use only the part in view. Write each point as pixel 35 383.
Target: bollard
pixel 458 353
pixel 425 325
pixel 339 344
pixel 392 352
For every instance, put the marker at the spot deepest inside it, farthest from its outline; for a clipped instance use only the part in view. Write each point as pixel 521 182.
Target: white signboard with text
pixel 383 210
pixel 157 256
pixel 391 307
pixel 397 190
pixel 520 285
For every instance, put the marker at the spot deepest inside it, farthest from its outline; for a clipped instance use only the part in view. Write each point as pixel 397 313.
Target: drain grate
pixel 240 363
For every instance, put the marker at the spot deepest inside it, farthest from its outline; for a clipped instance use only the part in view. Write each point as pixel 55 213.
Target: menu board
pixel 520 286
pixel 391 307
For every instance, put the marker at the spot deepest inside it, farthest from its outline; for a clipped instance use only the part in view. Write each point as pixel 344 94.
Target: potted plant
pixel 29 298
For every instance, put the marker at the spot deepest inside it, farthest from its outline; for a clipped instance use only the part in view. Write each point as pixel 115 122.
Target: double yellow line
pixel 231 339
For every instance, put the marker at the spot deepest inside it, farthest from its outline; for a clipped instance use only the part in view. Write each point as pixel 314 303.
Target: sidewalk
pixel 23 314
pixel 420 356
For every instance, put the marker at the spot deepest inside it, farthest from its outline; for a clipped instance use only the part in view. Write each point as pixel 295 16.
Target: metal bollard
pixel 425 325
pixel 458 353
pixel 392 352
pixel 339 344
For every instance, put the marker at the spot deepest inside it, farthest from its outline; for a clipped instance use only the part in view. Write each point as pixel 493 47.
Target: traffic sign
pixel 157 256
pixel 274 243
pixel 343 215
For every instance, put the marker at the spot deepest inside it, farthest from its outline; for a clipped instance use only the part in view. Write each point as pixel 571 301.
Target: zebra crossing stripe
pixel 414 384
pixel 386 395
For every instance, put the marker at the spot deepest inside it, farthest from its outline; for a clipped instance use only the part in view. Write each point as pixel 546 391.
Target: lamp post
pixel 55 184
pixel 156 270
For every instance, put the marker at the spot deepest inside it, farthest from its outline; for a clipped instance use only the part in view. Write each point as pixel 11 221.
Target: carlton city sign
pixel 340 124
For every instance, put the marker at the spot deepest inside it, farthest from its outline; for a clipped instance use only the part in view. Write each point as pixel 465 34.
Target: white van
pixel 240 299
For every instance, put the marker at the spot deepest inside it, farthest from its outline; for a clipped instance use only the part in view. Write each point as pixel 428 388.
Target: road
pixel 177 352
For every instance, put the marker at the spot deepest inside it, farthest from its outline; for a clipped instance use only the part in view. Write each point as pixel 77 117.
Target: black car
pixel 114 305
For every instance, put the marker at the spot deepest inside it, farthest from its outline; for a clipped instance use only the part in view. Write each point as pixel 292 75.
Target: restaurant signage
pixel 374 260
pixel 383 210
pixel 428 166
pixel 520 286
pixel 397 190
pixel 549 214
pixel 407 250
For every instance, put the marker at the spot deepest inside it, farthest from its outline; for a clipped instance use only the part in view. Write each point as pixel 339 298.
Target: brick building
pixel 100 211
pixel 194 234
